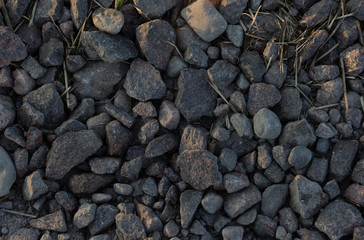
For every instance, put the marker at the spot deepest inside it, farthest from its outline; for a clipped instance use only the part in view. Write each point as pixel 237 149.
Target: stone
pixel 15 134
pixel 11 47
pixel 152 10
pixel 101 197
pixel 248 217
pixel 266 124
pixel 288 220
pixel 298 133
pixel 123 189
pixel 222 73
pixel 290 105
pixel 71 125
pixel 264 158
pixel 79 9
pixel 325 130
pixel 235 33
pixel 198 168
pixel 195 97
pixel 69 150
pixel 358 233
pixel 143 82
pixel 21 156
pixel 232 10
pixel 130 227
pixel 229 52
pixel 227 160
pixel 33 67
pixel 203 9
pixel 356 6
pixel 354 116
pixel 189 201
pixel 104 218
pixel 233 233
pixel 237 203
pixel 23 83
pixel 130 169
pixel 280 155
pixel 105 165
pixel 242 125
pixel 55 221
pixel 31 36
pixel 354 193
pixel 150 187
pixel 317 39
pixel 155 38
pixel 339 219
pixel 342 159
pixel 174 67
pixel 300 157
pixel 148 131
pixel 24 234
pixel 34 186
pixel 318 115
pixel 86 183
pixel 75 63
pixel 169 116
pixel 262 95
pixel 7 109
pixel 7 173
pixel 212 202
pixel 108 20
pixel 16 9
pixel 6 79
pixel 84 215
pixel 318 170
pixel 149 219
pixel 307 197
pixel 196 56
pixel 357 174
pixel 171 229
pixel 66 200
pixel 186 36
pixel 110 48
pixel 356 52
pixel 235 181
pixel 98 123
pixel 237 99
pixel 252 65
pixel 324 72
pixel 161 145
pixel 271 51
pixel 265 226
pixel 51 53
pixel 318 12
pixel 118 138
pixel 273 198
pixel 48 10
pixel 304 233
pixel 193 139
pixel 276 74
pixel 120 115
pixel 330 92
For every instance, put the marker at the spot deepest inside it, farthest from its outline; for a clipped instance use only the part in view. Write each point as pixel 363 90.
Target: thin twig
pixel 328 52
pixel 59 30
pixel 222 96
pixel 327 106
pixel 174 45
pixel 254 36
pixel 66 85
pixel 344 82
pixel 255 17
pixel 362 102
pixel 6 15
pixel 18 213
pixel 33 13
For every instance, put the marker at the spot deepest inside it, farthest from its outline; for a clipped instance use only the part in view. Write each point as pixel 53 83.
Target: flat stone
pixel 298 133
pixel 354 59
pixel 84 215
pixel 105 165
pixel 130 226
pixel 104 218
pixel 339 219
pixel 154 38
pixel 222 73
pixel 7 109
pixel 262 95
pixel 110 48
pixel 189 201
pixel 266 124
pixel 11 47
pixel 198 168
pixel 237 203
pixel 203 9
pixel 86 183
pixel 48 10
pixel 55 221
pixel 195 97
pixel 235 181
pixel 252 65
pixel 161 145
pixel 318 12
pixel 233 233
pixel 34 186
pixel 273 198
pixel 7 174
pixel 69 150
pixel 317 39
pixel 79 9
pixel 342 159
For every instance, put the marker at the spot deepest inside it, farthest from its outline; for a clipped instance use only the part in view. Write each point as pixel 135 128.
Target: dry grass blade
pixel 18 213
pixel 328 52
pixel 98 4
pixel 243 26
pixel 66 85
pixel 6 15
pixel 328 106
pixel 304 95
pixel 344 82
pixel 254 36
pixel 269 62
pixel 222 96
pixel 360 33
pixel 362 102
pixel 175 47
pixel 78 36
pixel 33 13
pixel 60 31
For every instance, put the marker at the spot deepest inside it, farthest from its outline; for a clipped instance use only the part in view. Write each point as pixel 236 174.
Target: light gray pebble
pixel 235 34
pixel 123 189
pixel 299 157
pixel 212 202
pixel 101 197
pixel 242 125
pixel 266 124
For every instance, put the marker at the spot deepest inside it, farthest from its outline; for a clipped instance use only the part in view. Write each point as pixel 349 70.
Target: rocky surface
pixel 176 119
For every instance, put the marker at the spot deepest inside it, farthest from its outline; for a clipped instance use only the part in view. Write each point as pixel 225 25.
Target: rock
pixel 88 182
pixel 84 215
pixel 229 52
pixel 21 156
pixel 338 219
pixel 161 145
pixel 232 10
pixel 298 133
pixel 171 229
pixel 98 123
pixel 175 66
pixel 150 187
pixel 237 203
pixel 318 170
pixel 23 83
pixel 242 125
pixel 324 72
pixel 307 197
pixel 235 34
pixel 101 197
pixel 97 79
pixel 11 47
pixel 79 9
pixel 198 168
pixel 330 92
pixel 149 219
pixel 48 10
pixel 237 99
pixel 7 174
pixel 189 201
pixel 131 169
pixel 51 53
pixel 227 160
pixel 196 56
pixel 354 193
pixel 304 233
pixel 71 125
pixel 195 97
pixel 203 9
pixel 317 39
pixel 235 181
pixel 66 200
pixel 187 37
pixel 290 105
pixel 104 218
pixel 169 116
pixel 34 186
pixel 33 67
pixel 110 48
pixel 273 198
pixel 155 38
pixel 233 233
pixel 266 124
pixel 7 109
pixel 108 20
pixel 24 233
pixel 354 59
pixel 69 150
pixel 288 220
pixel 276 74
pixel 31 36
pixel 252 66
pixel 318 12
pixel 262 95
pixel 354 116
pixel 123 189
pixel 356 6
pixel 222 73
pixel 357 174
pixel 15 134
pixel 6 79
pixel 280 155
pixel 144 82
pixel 332 189
pixel 193 139
pixel 153 10
pixel 55 221
pixel 145 109
pixel 248 217
pixel 118 138
pixel 342 158
pixel 105 165
pixel 325 131
pixel 148 131
pixel 120 115
pixel 212 202
pixel 129 226
pixel 16 9
pixel 300 157
pixel 75 63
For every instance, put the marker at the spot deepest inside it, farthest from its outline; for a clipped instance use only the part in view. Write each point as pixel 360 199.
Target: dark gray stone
pixel 79 9
pixel 222 73
pixel 48 10
pixel 262 95
pixel 318 170
pixel 300 157
pixel 265 226
pixel 237 203
pixel 290 106
pixel 273 198
pixel 11 47
pixel 276 74
pixel 317 12
pixel 129 226
pixel 7 109
pixel 252 66
pixel 354 59
pixel 342 158
pixel 51 53
pixel 298 133
pixel 232 10
pixel 34 186
pixel 266 124
pixel 152 9
pixel 330 92
pixel 33 67
pixel 104 218
pixel 317 39
pixel 189 201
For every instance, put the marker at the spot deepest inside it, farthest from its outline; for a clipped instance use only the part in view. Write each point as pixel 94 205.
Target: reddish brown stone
pixel 355 194
pixel 34 138
pixel 55 222
pixel 193 139
pixel 161 145
pixel 88 182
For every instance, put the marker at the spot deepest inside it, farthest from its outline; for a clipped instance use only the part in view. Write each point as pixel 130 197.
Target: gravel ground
pixel 173 119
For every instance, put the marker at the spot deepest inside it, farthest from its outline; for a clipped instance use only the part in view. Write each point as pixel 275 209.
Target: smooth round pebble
pixel 266 124
pixel 101 197
pixel 123 189
pixel 212 202
pixel 299 157
pixel 108 20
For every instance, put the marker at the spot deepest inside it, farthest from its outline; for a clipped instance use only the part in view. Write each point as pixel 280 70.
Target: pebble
pixel 262 95
pixel 130 226
pixel 84 215
pixel 170 229
pixel 153 10
pixel 354 193
pixel 204 10
pixel 189 201
pixel 229 52
pixel 318 115
pixel 66 200
pixel 193 139
pixel 24 233
pixel 266 124
pixel 318 12
pixel 169 115
pixel 288 220
pixel 196 56
pixel 104 218
pixel 291 105
pixel 318 170
pixel 51 53
pixel 34 186
pixel 233 233
pixel 86 183
pixel 13 49
pixel 354 59
pixel 161 145
pixel 356 6
pixel 149 219
pixel 298 133
pixel 300 157
pixel 330 92
pixel 15 134
pixel 108 20
pixel 252 65
pixel 55 221
pixel 324 72
pixel 280 155
pixel 33 67
pixel 234 182
pixel 342 158
pixel 317 39
pixel 75 63
pixel 273 198
pixel 222 73
pixel 8 176
pixel 117 138
pixel 101 197
pixel 23 83
pixel 235 33
pixel 276 74
pixel 325 130
pixel 21 156
pixel 247 217
pixel 175 66
pixel 227 160
pixel 6 79
pixel 237 203
pixel 265 226
pixel 232 10
pixel 48 10
pixel 123 189
pixel 212 202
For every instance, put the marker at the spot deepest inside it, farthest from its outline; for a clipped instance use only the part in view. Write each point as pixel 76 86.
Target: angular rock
pixel 104 218
pixel 148 131
pixel 307 197
pixel 187 37
pixel 120 115
pixel 265 226
pixel 75 63
pixel 55 221
pixel 330 92
pixel 51 53
pixel 266 124
pixel 110 48
pixel 71 125
pixel 357 174
pixel 318 170
pixel 161 145
pixel 222 73
pixel 288 220
pixel 355 194
pixel 69 150
pixel 6 79
pixel 262 95
pixel 15 134
pixel 234 181
pixel 276 74
pixel 84 215
pixel 169 116
pixel 33 67
pixel 317 39
pixel 198 168
pixel 290 105
pixel 11 47
pixel 357 7
pixel 129 226
pixel 318 12
pixel 66 200
pixel 34 186
pixel 31 36
pixel 7 173
pixel 338 219
pixel 232 10
pixel 189 201
pixel 24 234
pixel 79 9
pixel 23 83
pixel 273 198
pixel 153 10
pixel 118 138
pixel 149 219
pixel 242 125
pixel 86 183
pixel 252 66
pixel 237 203
pixel 154 38
pixel 16 9
pixel 7 109
pixel 203 9
pixel 193 139
pixel 324 72
pixel 342 158
pixel 195 97
pixel 105 165
pixel 235 33
pixel 48 10
pixel 354 59
pixel 196 56
pixel 298 133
